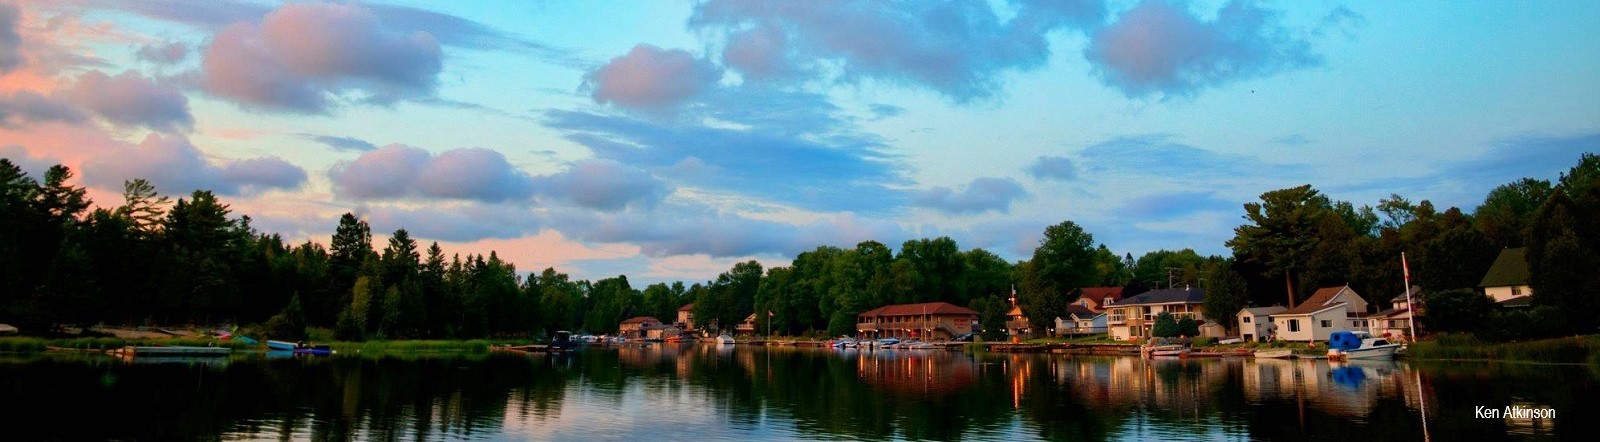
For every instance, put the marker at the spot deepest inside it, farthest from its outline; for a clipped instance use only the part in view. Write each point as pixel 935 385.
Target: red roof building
pixel 928 320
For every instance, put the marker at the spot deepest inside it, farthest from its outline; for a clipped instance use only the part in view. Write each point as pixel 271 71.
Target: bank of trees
pixel 153 260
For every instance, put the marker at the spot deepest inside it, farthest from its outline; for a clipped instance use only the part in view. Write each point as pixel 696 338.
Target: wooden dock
pixel 172 352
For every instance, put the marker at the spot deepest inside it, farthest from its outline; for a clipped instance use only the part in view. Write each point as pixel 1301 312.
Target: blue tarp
pixel 1344 340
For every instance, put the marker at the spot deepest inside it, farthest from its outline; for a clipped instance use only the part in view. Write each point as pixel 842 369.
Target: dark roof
pixel 1261 311
pixel 687 307
pixel 1520 301
pixel 1510 269
pixel 1080 312
pixel 640 320
pixel 1100 294
pixel 1322 299
pixel 926 308
pixel 1415 290
pixel 1165 296
pixel 1389 313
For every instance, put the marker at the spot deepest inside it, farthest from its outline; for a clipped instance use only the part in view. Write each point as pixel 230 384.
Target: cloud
pixel 954 48
pixel 130 99
pixel 460 221
pixel 829 168
pixel 302 55
pixel 1053 168
pixel 30 107
pixel 679 229
pixel 1168 206
pixel 341 143
pixel 34 166
pixel 1160 46
pixel 168 53
pixel 981 195
pixel 398 171
pixel 652 79
pixel 1292 140
pixel 603 185
pixel 10 40
pixel 1157 155
pixel 881 111
pixel 176 167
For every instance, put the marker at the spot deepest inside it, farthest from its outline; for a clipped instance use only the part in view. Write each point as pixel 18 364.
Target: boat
pixel 313 350
pixel 724 339
pixel 887 342
pixel 845 343
pixel 281 345
pixel 1345 345
pixel 1277 353
pixel 1167 350
pixel 919 345
pixel 562 341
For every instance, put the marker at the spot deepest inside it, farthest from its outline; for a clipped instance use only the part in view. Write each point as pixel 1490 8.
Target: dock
pixel 172 352
pixel 531 348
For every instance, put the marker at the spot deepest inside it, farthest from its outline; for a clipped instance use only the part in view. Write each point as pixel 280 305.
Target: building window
pixel 1516 291
pixel 1327 323
pixel 1294 325
pixel 1247 319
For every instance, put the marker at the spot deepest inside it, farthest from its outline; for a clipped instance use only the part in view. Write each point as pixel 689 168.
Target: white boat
pixel 886 342
pixel 1278 353
pixel 845 343
pixel 919 345
pixel 1359 345
pixel 1167 350
pixel 724 340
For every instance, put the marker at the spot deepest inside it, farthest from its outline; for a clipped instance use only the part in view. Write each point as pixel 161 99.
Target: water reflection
pixel 689 391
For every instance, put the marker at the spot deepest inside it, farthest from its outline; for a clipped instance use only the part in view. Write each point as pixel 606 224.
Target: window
pixel 1294 325
pixel 1516 291
pixel 1327 323
pixel 1247 319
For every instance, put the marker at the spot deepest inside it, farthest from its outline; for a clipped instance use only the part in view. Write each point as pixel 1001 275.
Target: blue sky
pixel 668 140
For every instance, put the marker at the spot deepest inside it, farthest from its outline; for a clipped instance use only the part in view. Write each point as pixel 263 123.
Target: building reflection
pixel 923 373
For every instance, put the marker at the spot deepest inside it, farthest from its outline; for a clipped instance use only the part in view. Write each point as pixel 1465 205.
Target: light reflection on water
pixel 706 392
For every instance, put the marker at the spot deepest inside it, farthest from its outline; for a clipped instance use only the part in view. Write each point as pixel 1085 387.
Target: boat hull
pixel 280 345
pixel 1380 352
pixel 1275 354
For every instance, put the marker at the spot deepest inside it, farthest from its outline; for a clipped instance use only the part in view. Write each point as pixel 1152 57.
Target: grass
pixel 1574 349
pixel 412 346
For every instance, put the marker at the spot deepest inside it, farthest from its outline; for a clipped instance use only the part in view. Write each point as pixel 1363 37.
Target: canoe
pixel 1281 353
pixel 281 345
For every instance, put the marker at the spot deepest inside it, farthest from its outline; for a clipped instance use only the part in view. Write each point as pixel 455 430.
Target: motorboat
pixel 1346 344
pixel 724 339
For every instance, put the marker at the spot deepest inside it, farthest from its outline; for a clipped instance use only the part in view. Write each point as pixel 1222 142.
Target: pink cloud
pixel 302 54
pixel 177 167
pixel 652 79
pixel 398 171
pixel 131 99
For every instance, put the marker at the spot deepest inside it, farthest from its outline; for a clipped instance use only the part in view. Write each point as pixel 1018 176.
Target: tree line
pixel 152 260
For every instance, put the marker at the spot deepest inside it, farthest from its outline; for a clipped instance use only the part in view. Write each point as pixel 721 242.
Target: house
pixel 1507 279
pixel 1080 320
pixel 1017 322
pixel 928 320
pixel 1095 298
pixel 686 317
pixel 1395 323
pixel 638 327
pixel 1132 318
pixel 747 326
pixel 1255 323
pixel 1329 309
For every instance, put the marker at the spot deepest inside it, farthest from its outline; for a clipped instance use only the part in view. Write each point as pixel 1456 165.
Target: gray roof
pixel 1165 296
pixel 1263 311
pixel 1509 269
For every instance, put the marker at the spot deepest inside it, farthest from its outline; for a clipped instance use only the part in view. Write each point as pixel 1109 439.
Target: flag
pixel 1405 268
pixel 769 314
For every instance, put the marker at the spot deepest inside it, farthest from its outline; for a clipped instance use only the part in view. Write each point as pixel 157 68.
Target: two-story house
pixel 1255 323
pixel 1132 318
pixel 1395 323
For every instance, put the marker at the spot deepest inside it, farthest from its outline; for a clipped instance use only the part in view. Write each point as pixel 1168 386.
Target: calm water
pixel 703 392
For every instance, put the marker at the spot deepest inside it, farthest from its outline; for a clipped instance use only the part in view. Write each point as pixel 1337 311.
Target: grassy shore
pixel 1574 349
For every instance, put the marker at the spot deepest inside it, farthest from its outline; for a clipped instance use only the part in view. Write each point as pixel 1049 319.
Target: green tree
pixel 1188 327
pixel 1226 292
pixel 991 316
pixel 1459 310
pixel 1561 265
pixel 1062 265
pixel 1165 326
pixel 1507 210
pixel 142 205
pixel 1282 232
pixel 289 324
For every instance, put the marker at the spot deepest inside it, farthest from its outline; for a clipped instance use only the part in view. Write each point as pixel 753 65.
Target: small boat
pixel 919 345
pixel 887 342
pixel 172 352
pixel 281 345
pixel 562 341
pixel 1344 345
pixel 314 350
pixel 1277 353
pixel 1167 350
pixel 845 343
pixel 724 339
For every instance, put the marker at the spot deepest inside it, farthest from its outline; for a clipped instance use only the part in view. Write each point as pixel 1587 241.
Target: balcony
pixel 1018 325
pixel 1115 319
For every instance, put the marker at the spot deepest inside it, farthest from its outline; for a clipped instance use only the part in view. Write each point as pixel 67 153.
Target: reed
pixel 1573 349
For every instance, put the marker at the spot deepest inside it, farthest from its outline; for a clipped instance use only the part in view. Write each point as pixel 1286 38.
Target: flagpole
pixel 1411 308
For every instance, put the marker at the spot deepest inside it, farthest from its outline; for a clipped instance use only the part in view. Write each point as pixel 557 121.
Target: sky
pixel 668 140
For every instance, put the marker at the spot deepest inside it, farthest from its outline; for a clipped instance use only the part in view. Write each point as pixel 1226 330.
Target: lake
pixel 706 392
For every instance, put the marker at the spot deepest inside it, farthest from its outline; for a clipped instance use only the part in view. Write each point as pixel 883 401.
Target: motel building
pixel 927 321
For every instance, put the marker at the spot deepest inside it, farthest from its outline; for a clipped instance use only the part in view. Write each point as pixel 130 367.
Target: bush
pixel 289 324
pixel 1205 342
pixel 1188 327
pixel 1165 327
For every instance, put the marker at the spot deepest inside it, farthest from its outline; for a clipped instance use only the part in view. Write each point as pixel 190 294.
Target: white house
pixel 1330 309
pixel 1255 323
pixel 1395 323
pixel 1081 320
pixel 1507 279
